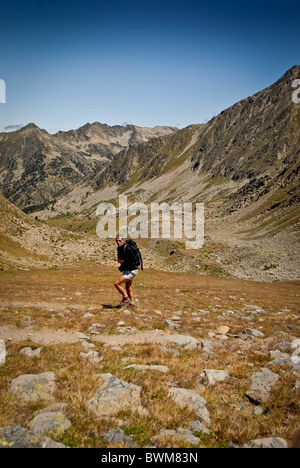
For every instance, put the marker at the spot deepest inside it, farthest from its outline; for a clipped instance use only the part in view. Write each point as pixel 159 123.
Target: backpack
pixel 136 251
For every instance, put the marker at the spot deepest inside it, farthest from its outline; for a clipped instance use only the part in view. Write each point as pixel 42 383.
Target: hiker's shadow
pixel 108 306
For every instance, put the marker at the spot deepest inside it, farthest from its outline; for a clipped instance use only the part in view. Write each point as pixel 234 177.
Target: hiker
pixel 128 266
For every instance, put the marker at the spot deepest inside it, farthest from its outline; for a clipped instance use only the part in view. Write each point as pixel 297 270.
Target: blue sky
pixel 66 63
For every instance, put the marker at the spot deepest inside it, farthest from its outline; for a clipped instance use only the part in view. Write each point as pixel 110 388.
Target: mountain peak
pixel 31 127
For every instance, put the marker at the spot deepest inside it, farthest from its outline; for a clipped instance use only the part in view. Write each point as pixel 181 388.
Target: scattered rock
pixel 185 341
pixel 295 343
pixel 31 387
pixel 296 388
pixel 171 325
pixel 93 329
pixel 192 400
pixel 197 426
pixel 248 334
pixel 31 352
pixel 16 436
pixel 262 383
pixel 88 315
pixel 268 442
pixel 54 407
pixel 92 356
pixel 207 345
pixel 2 352
pixel 118 437
pixel 253 332
pixel 113 396
pixel 213 376
pixel 50 423
pixel 87 345
pixel 222 330
pixel 179 435
pixel 165 349
pixel 126 330
pixel 148 367
pixel 81 336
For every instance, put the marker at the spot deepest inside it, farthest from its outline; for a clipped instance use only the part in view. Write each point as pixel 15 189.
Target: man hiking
pixel 128 267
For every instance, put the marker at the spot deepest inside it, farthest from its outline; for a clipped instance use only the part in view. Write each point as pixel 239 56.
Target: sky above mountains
pixel 142 62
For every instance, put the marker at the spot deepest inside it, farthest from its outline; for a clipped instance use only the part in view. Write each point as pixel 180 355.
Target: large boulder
pixel 113 396
pixel 16 436
pixel 32 387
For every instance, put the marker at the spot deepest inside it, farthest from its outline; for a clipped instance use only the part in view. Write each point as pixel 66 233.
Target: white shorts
pixel 130 275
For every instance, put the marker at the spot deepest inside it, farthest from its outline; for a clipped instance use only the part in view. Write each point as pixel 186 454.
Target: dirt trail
pixel 49 336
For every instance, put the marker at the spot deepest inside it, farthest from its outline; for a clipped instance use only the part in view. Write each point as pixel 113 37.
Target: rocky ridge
pixel 37 167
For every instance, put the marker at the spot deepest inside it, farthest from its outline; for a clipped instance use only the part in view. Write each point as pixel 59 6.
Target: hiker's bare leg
pixel 129 290
pixel 118 286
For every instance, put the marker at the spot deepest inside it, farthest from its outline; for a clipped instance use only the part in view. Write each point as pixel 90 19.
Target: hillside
pixel 243 165
pixel 26 243
pixel 36 166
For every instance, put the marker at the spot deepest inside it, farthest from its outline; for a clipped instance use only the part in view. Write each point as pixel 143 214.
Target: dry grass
pixel 49 298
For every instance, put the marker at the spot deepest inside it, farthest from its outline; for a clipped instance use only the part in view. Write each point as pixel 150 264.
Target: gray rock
pixel 179 435
pixel 32 387
pixel 16 436
pixel 167 350
pixel 171 325
pixel 175 318
pixel 86 345
pixel 2 352
pixel 54 407
pixel 296 388
pixel 253 332
pixel 118 437
pixel 276 354
pixel 81 336
pixel 295 343
pixel 185 341
pixel 262 383
pixel 113 396
pixel 268 442
pixel 50 423
pixel 31 352
pixel 148 367
pixel 197 426
pixel 93 329
pixel 207 345
pixel 92 356
pixel 128 330
pixel 248 334
pixel 213 376
pixel 192 400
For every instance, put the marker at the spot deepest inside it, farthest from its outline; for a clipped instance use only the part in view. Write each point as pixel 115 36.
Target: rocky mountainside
pixel 255 144
pixel 26 243
pixel 248 151
pixel 36 166
pixel 243 165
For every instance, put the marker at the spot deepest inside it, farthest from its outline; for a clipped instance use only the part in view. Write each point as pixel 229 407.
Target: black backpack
pixel 136 251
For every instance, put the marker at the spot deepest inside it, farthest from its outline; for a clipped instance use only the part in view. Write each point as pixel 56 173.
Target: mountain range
pixel 36 166
pixel 243 165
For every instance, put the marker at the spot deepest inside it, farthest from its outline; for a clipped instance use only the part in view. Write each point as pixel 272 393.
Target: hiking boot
pixel 132 305
pixel 124 302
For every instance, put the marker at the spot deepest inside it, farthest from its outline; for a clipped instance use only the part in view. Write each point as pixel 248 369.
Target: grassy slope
pixel 157 292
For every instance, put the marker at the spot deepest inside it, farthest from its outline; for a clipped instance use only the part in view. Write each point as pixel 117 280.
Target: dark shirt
pixel 128 256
